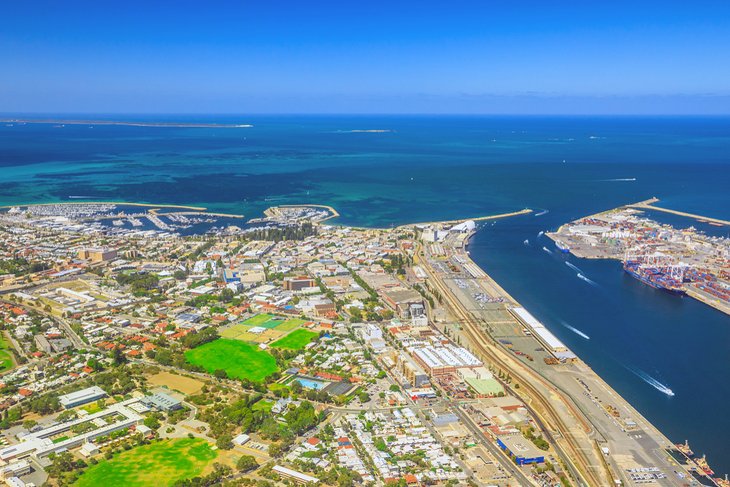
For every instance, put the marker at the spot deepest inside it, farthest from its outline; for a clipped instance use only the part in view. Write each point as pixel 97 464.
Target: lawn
pixel 262 405
pixel 6 356
pixel 92 408
pixel 291 324
pixel 161 463
pixel 258 320
pixel 264 320
pixel 239 359
pixel 295 340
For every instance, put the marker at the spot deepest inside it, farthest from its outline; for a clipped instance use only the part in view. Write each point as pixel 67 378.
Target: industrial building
pixel 442 360
pixel 521 448
pixel 541 333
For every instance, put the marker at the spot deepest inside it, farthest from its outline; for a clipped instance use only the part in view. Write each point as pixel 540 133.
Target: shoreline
pixel 120 203
pixel 586 371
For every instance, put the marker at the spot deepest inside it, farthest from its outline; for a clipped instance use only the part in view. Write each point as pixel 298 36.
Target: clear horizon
pixel 652 58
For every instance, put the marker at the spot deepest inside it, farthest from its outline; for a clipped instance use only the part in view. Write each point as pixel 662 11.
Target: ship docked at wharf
pixel 681 261
pixel 699 467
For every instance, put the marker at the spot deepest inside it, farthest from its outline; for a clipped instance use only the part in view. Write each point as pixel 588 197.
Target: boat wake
pixel 80 197
pixel 617 180
pixel 540 234
pixel 575 330
pixel 575 268
pixel 547 250
pixel 653 382
pixel 526 242
pixel 581 276
pixel 543 212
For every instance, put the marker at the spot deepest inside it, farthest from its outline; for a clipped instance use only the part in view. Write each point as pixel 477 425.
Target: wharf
pixel 564 398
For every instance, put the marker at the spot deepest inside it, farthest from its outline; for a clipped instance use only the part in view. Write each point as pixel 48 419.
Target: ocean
pixel 428 168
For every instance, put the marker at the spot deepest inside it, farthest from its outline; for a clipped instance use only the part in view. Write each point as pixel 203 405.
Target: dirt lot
pixel 185 385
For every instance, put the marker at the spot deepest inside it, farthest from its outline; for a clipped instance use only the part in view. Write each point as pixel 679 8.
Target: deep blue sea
pixel 431 168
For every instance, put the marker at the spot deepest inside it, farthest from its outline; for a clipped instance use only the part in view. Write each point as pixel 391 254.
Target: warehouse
pixel 522 449
pixel 543 334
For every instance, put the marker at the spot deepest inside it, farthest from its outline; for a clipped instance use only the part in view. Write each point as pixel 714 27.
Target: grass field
pixel 160 463
pixel 295 340
pixel 240 332
pixel 239 359
pixel 291 324
pixel 6 356
pixel 264 320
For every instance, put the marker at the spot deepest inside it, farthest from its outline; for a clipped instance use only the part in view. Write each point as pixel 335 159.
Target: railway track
pixel 581 467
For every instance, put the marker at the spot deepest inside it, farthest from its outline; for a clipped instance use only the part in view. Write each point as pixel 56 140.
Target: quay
pixel 659 255
pixel 649 205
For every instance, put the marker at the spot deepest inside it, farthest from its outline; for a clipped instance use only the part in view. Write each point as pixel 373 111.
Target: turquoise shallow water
pixel 430 168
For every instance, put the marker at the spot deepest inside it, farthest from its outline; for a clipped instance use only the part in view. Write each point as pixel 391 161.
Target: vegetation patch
pixel 262 405
pixel 161 463
pixel 238 359
pixel 6 355
pixel 295 340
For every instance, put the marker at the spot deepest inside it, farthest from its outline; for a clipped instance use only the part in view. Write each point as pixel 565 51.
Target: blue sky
pixel 365 57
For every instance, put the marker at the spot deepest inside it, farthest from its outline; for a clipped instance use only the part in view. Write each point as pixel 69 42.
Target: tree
pixel 246 463
pixel 152 422
pixel 117 357
pixel 275 450
pixel 224 442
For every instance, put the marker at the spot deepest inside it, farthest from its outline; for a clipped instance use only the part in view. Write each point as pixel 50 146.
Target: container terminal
pixel 682 261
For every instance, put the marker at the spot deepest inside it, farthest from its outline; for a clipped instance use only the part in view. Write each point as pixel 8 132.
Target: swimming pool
pixel 311 383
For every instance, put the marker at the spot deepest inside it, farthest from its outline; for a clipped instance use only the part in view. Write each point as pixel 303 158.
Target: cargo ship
pixel 653 277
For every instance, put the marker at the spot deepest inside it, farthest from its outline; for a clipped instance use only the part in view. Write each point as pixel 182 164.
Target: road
pixel 569 414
